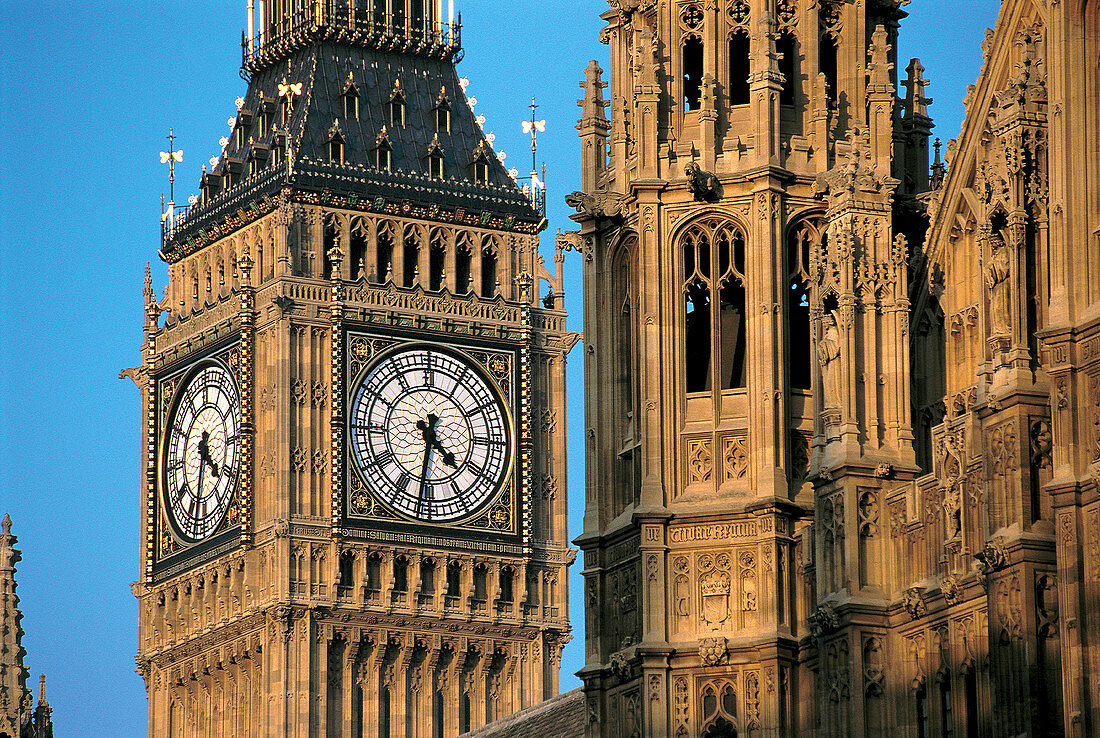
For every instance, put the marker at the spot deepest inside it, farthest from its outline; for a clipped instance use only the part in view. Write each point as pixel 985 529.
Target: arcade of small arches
pixel 379 250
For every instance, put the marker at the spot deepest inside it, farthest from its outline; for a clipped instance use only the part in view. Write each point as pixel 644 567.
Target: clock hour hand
pixel 204 454
pixel 428 429
pixel 448 457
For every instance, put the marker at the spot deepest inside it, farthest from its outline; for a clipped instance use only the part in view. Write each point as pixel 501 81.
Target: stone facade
pixel 357 209
pixel 840 419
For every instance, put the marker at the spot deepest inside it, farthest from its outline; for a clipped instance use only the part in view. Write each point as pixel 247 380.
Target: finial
pixel 335 259
pixel 878 69
pixel 593 103
pixel 938 169
pixel 916 102
pixel 42 689
pixel 244 264
pixel 8 555
pixel 171 157
pixel 534 127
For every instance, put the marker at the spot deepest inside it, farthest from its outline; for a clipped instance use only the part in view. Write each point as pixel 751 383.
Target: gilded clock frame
pixel 501 520
pixel 168 554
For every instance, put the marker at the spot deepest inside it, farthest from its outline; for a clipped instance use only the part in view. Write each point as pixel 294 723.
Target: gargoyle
pixel 601 203
pixel 704 185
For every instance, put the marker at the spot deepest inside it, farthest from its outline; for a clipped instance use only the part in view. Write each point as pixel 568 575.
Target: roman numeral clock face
pixel 202 453
pixel 429 434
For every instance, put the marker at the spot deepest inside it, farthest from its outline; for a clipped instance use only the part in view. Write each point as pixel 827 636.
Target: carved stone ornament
pixel 713 650
pixel 601 203
pixel 951 589
pixel 620 667
pixel 823 620
pixel 914 603
pixel 991 559
pixel 704 185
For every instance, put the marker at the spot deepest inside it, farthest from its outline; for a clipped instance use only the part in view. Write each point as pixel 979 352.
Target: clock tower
pixel 353 395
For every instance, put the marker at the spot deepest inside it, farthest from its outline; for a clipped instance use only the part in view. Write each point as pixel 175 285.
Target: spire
pixel 938 169
pixel 42 723
pixel 15 707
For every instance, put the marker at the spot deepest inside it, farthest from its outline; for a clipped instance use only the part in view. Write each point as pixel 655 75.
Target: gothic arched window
pixel 800 242
pixel 719 710
pixel 384 253
pixel 411 257
pixel 488 273
pixel 786 48
pixel 714 307
pixel 693 72
pixel 437 256
pixel 464 282
pixel 697 322
pixel 740 69
pixel 827 64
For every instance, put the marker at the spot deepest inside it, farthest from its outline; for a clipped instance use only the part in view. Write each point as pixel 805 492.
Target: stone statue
pixel 828 352
pixel 997 272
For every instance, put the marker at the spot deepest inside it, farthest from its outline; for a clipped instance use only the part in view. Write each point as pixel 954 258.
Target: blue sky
pixel 87 94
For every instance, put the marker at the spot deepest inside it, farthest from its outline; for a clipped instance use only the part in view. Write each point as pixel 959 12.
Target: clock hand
pixel 427 430
pixel 204 454
pixel 448 457
pixel 192 511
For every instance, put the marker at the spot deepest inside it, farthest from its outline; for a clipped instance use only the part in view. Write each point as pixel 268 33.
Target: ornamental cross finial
pixel 171 157
pixel 534 127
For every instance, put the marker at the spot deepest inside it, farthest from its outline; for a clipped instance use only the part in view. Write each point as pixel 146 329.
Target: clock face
pixel 429 434
pixel 202 453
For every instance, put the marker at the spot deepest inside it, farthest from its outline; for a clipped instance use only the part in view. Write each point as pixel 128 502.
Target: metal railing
pixel 341 20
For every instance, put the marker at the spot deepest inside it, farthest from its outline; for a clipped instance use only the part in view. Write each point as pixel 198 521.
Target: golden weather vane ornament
pixel 171 158
pixel 534 128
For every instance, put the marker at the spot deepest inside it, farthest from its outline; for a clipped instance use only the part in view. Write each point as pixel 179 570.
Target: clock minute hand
pixel 427 430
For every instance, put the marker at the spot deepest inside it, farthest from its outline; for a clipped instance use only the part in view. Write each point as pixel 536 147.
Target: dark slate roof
pixel 323 70
pixel 559 717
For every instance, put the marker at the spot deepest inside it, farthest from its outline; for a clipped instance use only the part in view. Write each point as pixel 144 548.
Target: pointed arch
pixel 711 250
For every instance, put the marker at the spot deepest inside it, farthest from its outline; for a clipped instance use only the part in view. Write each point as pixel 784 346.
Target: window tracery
pixel 714 307
pixel 719 709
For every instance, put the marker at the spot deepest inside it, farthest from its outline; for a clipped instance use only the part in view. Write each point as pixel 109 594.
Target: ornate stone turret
pixel 18 716
pixel 743 257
